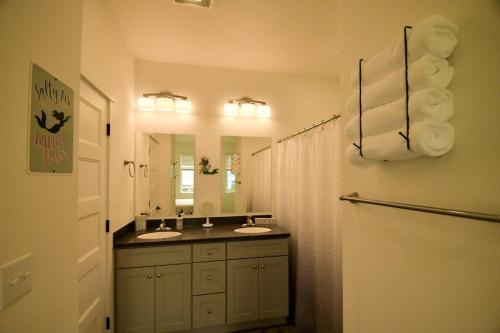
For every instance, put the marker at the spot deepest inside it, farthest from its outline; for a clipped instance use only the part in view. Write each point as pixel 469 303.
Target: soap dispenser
pixel 179 222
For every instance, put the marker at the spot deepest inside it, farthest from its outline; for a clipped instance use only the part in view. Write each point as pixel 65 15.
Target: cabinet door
pixel 242 290
pixel 273 287
pixel 135 292
pixel 173 298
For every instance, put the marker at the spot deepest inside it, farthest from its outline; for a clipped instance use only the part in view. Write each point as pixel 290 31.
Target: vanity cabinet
pixel 135 294
pixel 154 299
pixel 257 288
pixel 222 285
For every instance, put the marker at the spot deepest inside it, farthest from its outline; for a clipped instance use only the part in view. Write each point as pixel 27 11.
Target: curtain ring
pixel 131 167
pixel 145 170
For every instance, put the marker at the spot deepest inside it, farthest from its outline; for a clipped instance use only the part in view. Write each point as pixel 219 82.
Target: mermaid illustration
pixel 42 122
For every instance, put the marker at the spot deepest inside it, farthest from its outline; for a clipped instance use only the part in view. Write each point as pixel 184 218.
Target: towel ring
pixel 131 168
pixel 144 168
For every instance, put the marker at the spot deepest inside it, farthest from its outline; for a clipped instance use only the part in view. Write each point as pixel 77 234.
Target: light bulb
pixel 146 103
pixel 183 106
pixel 231 109
pixel 247 109
pixel 164 104
pixel 263 111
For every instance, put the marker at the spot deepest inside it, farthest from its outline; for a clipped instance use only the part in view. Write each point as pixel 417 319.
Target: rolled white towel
pixel 427 72
pixel 429 103
pixel 427 138
pixel 434 35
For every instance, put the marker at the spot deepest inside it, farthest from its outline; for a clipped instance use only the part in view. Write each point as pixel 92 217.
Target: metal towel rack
pixel 354 198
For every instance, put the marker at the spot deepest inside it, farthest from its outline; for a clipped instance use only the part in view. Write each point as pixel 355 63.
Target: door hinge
pixel 108 323
pixel 107 225
pixel 108 129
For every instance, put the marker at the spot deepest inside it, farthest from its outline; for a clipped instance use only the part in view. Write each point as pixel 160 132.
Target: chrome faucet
pixel 249 223
pixel 163 226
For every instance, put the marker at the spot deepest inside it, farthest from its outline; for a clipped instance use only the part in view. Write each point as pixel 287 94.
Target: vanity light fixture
pixel 247 107
pixel 164 102
pixel 201 3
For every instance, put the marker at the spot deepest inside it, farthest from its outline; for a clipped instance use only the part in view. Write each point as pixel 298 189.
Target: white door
pixel 93 303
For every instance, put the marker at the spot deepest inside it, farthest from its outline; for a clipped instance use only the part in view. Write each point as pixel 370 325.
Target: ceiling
pixel 280 36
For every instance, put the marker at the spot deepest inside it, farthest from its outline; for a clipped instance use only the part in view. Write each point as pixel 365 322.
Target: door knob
pixel 262 266
pixel 150 276
pixel 209 278
pixel 209 311
pixel 209 252
pixel 254 266
pixel 158 275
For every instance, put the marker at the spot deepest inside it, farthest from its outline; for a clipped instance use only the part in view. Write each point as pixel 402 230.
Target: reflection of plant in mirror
pixel 205 167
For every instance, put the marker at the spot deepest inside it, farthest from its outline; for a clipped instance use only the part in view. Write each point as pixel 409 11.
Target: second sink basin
pixel 159 235
pixel 252 230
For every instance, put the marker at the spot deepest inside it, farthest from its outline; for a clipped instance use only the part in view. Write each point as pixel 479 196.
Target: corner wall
pixel 415 272
pixel 39 212
pixel 108 64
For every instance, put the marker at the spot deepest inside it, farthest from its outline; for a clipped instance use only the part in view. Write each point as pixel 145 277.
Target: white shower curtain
pixel 259 196
pixel 307 202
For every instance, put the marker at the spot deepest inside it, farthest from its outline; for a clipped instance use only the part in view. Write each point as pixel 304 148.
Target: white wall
pixel 107 63
pixel 39 212
pixel 415 272
pixel 296 101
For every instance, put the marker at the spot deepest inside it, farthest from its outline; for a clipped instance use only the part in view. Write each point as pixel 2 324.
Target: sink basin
pixel 159 235
pixel 252 230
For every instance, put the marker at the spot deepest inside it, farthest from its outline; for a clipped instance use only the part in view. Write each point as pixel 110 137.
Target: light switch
pixel 15 280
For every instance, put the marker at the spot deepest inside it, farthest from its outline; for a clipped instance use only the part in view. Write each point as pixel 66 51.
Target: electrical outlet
pixel 15 280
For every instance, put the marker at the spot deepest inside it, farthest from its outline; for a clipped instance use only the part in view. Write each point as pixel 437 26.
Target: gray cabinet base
pixel 240 327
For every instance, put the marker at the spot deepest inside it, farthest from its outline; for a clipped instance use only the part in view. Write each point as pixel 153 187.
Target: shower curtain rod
pixel 261 150
pixel 354 198
pixel 334 117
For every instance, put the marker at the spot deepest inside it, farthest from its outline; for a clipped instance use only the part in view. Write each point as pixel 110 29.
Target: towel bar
pixel 354 198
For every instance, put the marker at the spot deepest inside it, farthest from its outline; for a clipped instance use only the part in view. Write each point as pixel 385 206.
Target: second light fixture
pixel 247 107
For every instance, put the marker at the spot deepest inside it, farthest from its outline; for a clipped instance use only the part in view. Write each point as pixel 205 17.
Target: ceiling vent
pixel 199 3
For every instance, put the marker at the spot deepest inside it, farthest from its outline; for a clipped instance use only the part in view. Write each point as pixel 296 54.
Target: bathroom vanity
pixel 206 280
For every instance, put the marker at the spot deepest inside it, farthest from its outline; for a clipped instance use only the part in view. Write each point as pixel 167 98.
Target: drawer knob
pixel 158 275
pixel 262 266
pixel 209 311
pixel 209 252
pixel 254 266
pixel 150 276
pixel 209 278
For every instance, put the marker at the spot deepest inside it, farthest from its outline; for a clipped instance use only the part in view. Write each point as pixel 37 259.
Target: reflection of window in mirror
pixel 246 182
pixel 187 173
pixel 184 158
pixel 230 184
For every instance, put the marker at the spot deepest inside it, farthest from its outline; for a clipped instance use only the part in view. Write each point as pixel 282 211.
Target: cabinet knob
pixel 158 275
pixel 209 278
pixel 262 266
pixel 254 266
pixel 209 252
pixel 209 311
pixel 150 276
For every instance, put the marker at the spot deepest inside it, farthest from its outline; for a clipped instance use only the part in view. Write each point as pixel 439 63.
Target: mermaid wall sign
pixel 51 124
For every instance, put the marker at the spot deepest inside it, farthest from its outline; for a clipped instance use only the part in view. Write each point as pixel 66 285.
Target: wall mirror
pixel 245 174
pixel 165 173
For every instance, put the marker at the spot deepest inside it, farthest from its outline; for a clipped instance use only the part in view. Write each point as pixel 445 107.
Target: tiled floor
pixel 281 329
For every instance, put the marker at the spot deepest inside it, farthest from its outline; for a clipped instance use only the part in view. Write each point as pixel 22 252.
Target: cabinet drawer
pixel 209 310
pixel 209 252
pixel 209 277
pixel 258 248
pixel 153 256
